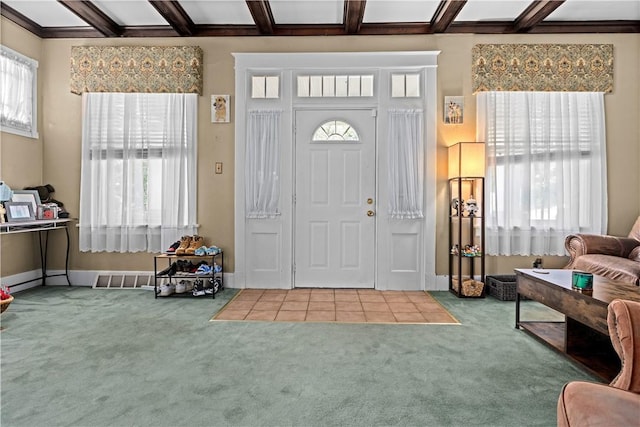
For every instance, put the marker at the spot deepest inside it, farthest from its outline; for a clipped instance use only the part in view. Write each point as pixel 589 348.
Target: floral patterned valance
pixel 152 69
pixel 543 67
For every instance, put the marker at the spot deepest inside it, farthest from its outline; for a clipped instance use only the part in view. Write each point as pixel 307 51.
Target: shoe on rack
pixel 167 289
pixel 172 249
pixel 196 242
pixel 181 287
pixel 201 251
pixel 213 250
pixel 185 242
pixel 198 288
pixel 204 269
pixel 169 271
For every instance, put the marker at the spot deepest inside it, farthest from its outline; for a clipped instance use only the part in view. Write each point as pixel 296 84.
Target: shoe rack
pixel 170 270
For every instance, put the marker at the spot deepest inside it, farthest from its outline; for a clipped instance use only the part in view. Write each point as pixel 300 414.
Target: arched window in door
pixel 335 130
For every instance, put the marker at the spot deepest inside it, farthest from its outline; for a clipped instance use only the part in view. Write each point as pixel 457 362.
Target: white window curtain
pixel 18 106
pixel 262 171
pixel 138 179
pixel 546 169
pixel 406 164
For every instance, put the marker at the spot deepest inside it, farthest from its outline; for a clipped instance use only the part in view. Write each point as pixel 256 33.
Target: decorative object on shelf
pixel 19 211
pixel 472 250
pixel 30 196
pixel 471 206
pixel 455 205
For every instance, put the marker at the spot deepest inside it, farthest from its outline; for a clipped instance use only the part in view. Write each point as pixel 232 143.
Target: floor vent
pixel 124 281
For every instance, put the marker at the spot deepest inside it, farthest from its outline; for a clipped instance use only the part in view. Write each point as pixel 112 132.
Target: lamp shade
pixel 466 160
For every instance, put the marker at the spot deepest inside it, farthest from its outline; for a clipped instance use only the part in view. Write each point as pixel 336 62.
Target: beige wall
pixel 61 129
pixel 21 157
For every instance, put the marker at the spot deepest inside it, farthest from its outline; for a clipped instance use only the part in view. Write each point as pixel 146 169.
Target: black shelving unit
pixel 164 262
pixel 466 237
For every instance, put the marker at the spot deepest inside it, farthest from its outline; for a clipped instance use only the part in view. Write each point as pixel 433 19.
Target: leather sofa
pixel 617 258
pixel 586 404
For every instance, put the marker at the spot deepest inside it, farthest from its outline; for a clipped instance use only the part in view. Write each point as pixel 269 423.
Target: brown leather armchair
pixel 617 258
pixel 587 404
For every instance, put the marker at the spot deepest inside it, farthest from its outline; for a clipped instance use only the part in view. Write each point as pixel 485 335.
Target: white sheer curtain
pixel 406 164
pixel 138 179
pixel 18 80
pixel 262 168
pixel 546 169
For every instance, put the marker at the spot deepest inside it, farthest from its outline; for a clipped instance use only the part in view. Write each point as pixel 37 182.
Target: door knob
pixel 369 201
pixel 370 213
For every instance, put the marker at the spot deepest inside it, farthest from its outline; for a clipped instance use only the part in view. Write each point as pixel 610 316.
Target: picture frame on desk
pixel 30 196
pixel 19 211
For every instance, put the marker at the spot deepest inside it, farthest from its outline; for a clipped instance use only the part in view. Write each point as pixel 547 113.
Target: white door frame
pixel 405 248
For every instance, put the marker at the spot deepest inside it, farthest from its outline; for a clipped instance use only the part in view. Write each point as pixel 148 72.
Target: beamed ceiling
pixel 213 18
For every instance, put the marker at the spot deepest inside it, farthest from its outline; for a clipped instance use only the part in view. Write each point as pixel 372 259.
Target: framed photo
pixel 30 196
pixel 19 211
pixel 220 108
pixel 453 110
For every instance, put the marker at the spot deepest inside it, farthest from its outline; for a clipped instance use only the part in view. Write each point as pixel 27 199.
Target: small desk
pixel 42 227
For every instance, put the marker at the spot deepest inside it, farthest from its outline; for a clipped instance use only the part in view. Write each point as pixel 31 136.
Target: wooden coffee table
pixel 584 336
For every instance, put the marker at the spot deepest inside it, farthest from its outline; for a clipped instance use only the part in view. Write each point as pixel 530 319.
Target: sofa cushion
pixel 611 267
pixel 634 255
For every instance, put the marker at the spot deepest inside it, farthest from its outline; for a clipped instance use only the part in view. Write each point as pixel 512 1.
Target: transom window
pixel 335 130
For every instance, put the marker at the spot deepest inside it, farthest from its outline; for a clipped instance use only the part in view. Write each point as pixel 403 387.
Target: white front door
pixel 335 198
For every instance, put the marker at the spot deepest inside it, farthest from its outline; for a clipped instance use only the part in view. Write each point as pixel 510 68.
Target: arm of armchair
pixel 581 244
pixel 624 330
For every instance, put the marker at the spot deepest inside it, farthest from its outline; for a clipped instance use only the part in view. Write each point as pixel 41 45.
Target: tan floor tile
pixel 321 305
pixel 321 316
pixel 297 296
pixel 253 291
pixel 294 305
pixel 348 306
pixel 321 291
pixel 379 316
pixel 291 315
pixel 321 297
pixel 240 304
pixel 262 315
pixel 429 307
pixel 409 317
pixel 347 297
pixel 403 307
pixel 375 306
pixel 368 292
pixel 301 291
pixel 418 296
pixel 395 296
pixel 350 316
pixel 267 305
pixel 345 292
pixel 273 296
pixel 371 298
pixel 229 314
pixel 248 297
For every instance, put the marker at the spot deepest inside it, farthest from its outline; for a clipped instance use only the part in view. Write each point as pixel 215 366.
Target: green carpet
pixel 86 357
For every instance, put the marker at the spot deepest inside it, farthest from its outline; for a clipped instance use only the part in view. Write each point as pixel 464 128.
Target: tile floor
pixel 335 305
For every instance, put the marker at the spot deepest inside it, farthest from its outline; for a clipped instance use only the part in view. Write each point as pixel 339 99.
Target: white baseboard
pixel 442 284
pixel 77 277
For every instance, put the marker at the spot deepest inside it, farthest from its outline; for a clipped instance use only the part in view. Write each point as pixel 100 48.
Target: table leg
pixel 517 310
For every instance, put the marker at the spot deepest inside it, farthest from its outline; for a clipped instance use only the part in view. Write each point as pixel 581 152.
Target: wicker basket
pixel 502 287
pixel 4 304
pixel 470 287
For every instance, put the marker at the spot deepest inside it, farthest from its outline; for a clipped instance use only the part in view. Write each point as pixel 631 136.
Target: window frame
pixel 32 64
